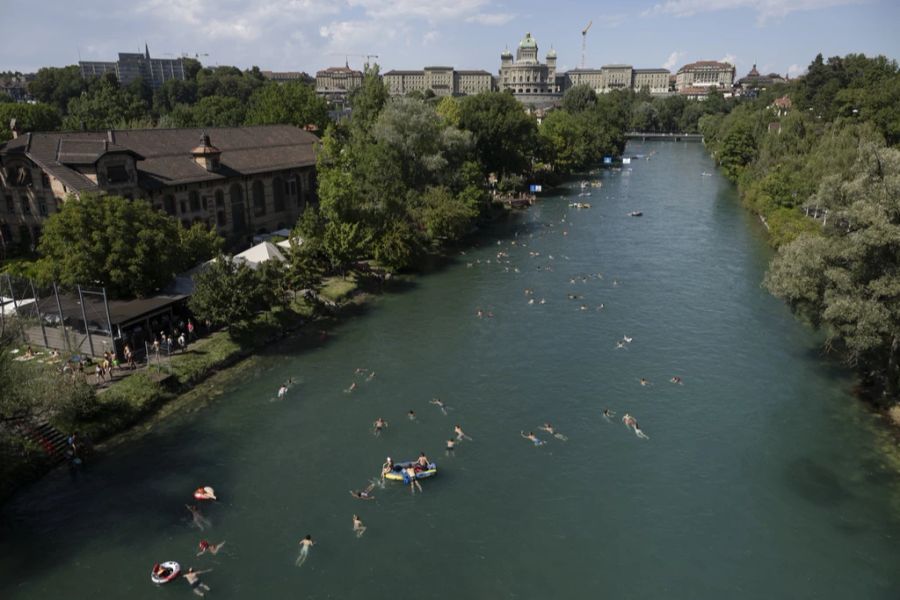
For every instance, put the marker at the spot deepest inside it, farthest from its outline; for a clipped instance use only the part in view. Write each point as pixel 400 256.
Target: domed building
pixel 526 75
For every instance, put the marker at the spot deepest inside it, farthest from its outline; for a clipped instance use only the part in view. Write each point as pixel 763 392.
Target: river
pixel 762 476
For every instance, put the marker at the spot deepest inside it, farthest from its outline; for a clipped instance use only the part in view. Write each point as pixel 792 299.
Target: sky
pixel 780 36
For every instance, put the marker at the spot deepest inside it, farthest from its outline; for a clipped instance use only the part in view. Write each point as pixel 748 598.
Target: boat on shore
pixel 398 473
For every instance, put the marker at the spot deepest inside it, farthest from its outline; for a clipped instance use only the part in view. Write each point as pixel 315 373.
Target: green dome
pixel 528 42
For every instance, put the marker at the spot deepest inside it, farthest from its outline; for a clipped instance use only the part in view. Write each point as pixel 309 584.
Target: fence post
pixel 109 323
pixel 87 327
pixel 37 309
pixel 62 319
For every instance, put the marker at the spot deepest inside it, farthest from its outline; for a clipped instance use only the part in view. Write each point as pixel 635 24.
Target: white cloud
pixel 673 60
pixel 729 58
pixel 430 10
pixel 490 18
pixel 795 71
pixel 430 37
pixel 766 10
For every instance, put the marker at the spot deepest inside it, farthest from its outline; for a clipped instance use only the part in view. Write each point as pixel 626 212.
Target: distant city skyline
pixel 780 36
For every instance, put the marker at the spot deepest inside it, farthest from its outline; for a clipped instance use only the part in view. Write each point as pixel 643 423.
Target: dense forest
pixel 823 170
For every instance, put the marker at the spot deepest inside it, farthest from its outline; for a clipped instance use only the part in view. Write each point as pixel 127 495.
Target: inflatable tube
pixel 173 570
pixel 205 493
pixel 398 474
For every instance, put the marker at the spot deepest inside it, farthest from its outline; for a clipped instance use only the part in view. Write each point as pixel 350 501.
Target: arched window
pixel 194 200
pixel 259 199
pixel 239 223
pixel 220 199
pixel 301 196
pixel 278 194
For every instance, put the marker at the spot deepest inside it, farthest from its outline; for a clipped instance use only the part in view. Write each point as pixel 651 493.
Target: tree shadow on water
pixel 815 483
pixel 142 484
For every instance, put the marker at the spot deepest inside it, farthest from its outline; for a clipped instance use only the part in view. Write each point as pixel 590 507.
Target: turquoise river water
pixel 761 477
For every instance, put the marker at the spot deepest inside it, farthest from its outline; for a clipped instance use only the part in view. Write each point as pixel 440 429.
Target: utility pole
pixel 584 42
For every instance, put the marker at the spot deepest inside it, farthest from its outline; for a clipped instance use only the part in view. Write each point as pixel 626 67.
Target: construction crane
pixel 196 55
pixel 347 55
pixel 584 42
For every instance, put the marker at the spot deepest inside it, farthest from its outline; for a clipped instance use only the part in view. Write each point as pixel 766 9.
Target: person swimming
pixel 379 425
pixel 193 579
pixel 451 446
pixel 552 431
pixel 531 437
pixel 358 526
pixel 204 546
pixel 364 494
pixel 644 382
pixel 676 379
pixel 422 462
pixel 351 388
pixel 608 414
pixel 411 477
pixel 460 434
pixel 411 415
pixel 305 544
pixel 282 391
pixel 387 467
pixel 199 521
pixel 632 423
pixel 440 404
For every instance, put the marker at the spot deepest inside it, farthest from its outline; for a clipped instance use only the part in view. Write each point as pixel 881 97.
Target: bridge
pixel 665 137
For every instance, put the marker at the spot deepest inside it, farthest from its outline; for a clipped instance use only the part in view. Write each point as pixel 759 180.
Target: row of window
pixel 27 235
pixel 25 206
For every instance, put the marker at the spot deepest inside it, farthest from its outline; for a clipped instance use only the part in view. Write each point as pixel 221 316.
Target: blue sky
pixel 307 35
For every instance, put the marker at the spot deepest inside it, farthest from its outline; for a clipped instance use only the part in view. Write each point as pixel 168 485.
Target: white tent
pixel 259 254
pixel 287 243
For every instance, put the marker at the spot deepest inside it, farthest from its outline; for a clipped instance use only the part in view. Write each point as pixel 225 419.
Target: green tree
pixel 579 98
pixel 448 110
pixel 218 111
pixel 848 281
pixel 344 243
pixel 57 85
pixel 227 292
pixel 105 106
pixel 198 244
pixel 445 217
pixel 123 245
pixel 368 99
pixel 505 136
pixel 29 117
pixel 289 103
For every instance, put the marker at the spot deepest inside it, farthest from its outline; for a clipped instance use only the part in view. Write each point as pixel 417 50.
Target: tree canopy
pixel 123 245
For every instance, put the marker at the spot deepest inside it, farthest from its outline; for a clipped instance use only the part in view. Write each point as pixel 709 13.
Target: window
pixel 221 219
pixel 5 234
pixel 42 207
pixel 238 222
pixel 194 200
pixel 220 199
pixel 10 204
pixel 45 180
pixel 292 187
pixel 116 174
pixel 169 204
pixel 36 234
pixel 278 194
pixel 26 206
pixel 183 205
pixel 259 199
pixel 298 183
pixel 205 202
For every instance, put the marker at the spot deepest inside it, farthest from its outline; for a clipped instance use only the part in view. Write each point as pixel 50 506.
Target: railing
pixel 674 137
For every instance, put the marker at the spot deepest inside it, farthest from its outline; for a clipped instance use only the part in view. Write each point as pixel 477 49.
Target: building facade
pixel 526 75
pixel 239 180
pixel 335 84
pixel 616 77
pixel 443 81
pixel 591 77
pixel 753 83
pixel 287 76
pixel 654 80
pixel 134 65
pixel 705 73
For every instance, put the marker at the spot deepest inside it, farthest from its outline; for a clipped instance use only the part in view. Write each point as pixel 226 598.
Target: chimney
pixel 14 128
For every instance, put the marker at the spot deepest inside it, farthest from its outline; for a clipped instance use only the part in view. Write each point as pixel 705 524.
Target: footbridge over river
pixel 664 137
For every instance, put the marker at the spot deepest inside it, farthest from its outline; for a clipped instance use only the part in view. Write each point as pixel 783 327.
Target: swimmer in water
pixel 410 475
pixel 411 415
pixel 361 371
pixel 627 339
pixel 644 382
pixel 199 521
pixel 351 388
pixel 531 437
pixel 193 578
pixel 460 434
pixel 371 376
pixel 451 446
pixel 365 494
pixel 204 546
pixel 387 467
pixel 282 392
pixel 440 404
pixel 552 431
pixel 608 414
pixel 621 346
pixel 358 526
pixel 379 425
pixel 676 379
pixel 305 544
